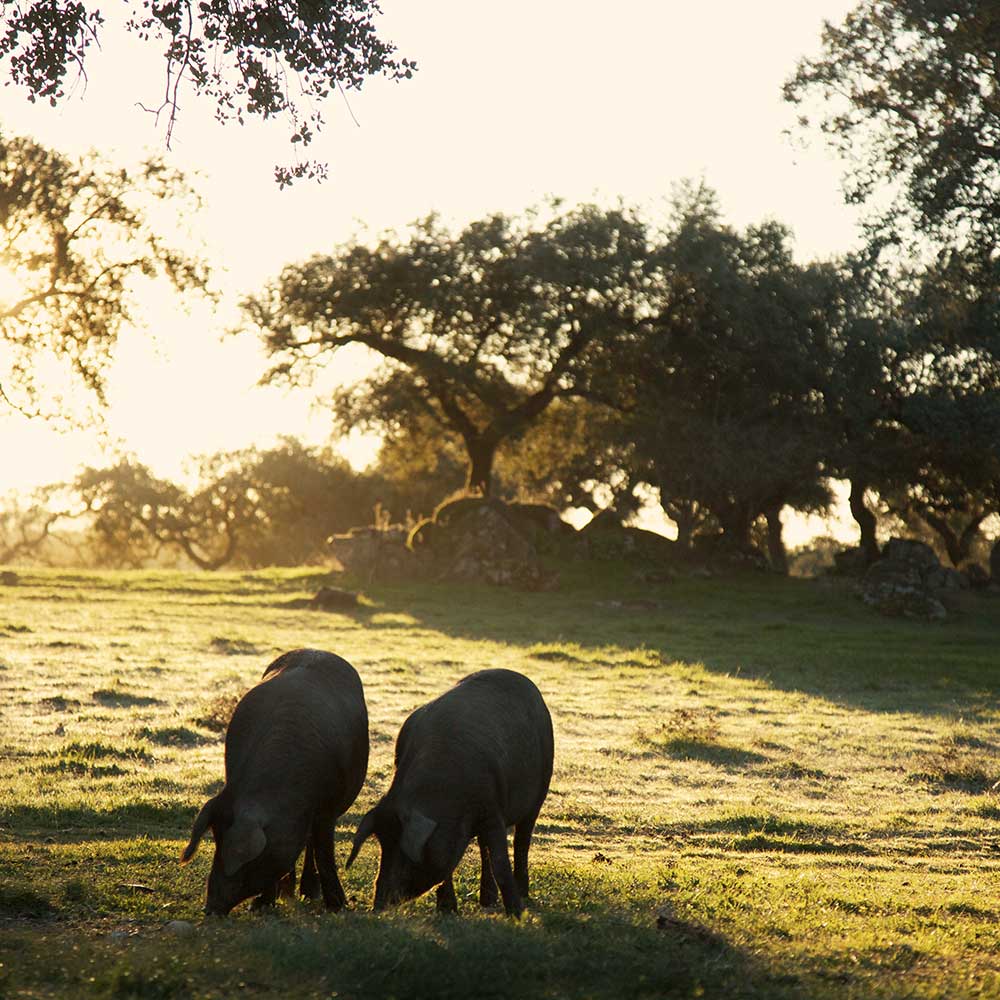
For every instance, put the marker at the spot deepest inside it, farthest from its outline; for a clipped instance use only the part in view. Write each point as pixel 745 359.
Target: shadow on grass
pixel 117 698
pixel 166 818
pixel 751 832
pixel 69 824
pixel 828 644
pixel 552 953
pixel 717 754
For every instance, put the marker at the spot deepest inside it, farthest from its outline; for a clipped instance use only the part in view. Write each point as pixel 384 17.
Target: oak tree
pixel 268 58
pixel 479 331
pixel 75 237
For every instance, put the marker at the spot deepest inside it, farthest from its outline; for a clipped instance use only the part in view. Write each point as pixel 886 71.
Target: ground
pixel 761 789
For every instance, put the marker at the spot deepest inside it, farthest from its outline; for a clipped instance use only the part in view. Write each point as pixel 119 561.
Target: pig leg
pixel 522 841
pixel 286 884
pixel 309 886
pixel 266 898
pixel 326 863
pixel 495 835
pixel 446 899
pixel 487 883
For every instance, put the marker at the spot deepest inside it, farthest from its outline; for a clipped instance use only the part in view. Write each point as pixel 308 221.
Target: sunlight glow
pixel 682 91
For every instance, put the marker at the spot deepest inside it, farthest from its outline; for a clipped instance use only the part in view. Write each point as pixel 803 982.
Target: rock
pixel 977 576
pixel 334 599
pixel 908 550
pixel 605 537
pixel 907 580
pixel 374 553
pixel 480 540
pixel 179 928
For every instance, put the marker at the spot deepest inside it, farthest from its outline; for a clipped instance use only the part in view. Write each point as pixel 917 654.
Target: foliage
pixel 76 234
pixel 727 417
pixel 26 524
pixel 480 331
pixel 914 399
pixel 274 507
pixel 135 515
pixel 267 58
pixel 910 97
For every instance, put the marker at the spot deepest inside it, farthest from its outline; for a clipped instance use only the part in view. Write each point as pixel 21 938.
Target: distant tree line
pixel 249 508
pixel 585 358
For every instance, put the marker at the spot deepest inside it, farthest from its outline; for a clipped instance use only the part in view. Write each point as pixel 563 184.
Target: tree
pixel 266 58
pixel 135 515
pixel 910 95
pixel 727 417
pixel 26 524
pixel 949 408
pixel 300 496
pixel 75 238
pixel 275 507
pixel 480 331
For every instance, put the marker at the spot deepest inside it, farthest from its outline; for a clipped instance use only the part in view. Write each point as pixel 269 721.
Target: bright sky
pixel 512 103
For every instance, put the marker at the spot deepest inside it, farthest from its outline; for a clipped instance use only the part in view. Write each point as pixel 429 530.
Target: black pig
pixel 296 758
pixel 471 763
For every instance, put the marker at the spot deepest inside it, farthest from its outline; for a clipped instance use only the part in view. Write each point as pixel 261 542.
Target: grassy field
pixel 761 790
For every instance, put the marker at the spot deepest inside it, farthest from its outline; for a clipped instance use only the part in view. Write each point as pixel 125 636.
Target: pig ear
pixel 201 823
pixel 365 829
pixel 242 842
pixel 417 829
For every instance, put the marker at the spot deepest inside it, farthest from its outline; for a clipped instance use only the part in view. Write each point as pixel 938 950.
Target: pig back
pixel 485 743
pixel 302 732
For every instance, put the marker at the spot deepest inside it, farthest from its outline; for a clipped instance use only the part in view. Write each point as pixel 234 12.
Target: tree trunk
pixel 866 521
pixel 775 542
pixel 481 455
pixel 735 521
pixel 947 536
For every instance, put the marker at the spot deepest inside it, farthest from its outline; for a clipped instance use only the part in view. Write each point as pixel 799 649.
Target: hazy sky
pixel 512 103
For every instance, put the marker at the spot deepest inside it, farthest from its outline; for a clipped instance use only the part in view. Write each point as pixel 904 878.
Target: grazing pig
pixel 471 763
pixel 296 758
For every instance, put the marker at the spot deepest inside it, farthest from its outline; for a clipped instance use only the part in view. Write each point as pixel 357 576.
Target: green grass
pixel 761 790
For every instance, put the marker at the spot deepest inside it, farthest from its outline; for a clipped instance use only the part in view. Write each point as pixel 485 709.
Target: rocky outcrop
pixel 908 581
pixel 374 553
pixel 478 540
pixel 605 537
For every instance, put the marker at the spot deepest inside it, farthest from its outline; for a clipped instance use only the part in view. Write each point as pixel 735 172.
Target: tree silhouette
pixel 910 97
pixel 480 331
pixel 74 235
pixel 268 58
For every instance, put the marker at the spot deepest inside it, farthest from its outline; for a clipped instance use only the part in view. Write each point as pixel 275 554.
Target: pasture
pixel 761 790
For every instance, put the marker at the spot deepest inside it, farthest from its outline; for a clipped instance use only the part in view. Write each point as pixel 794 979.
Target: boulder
pixel 908 580
pixel 976 576
pixel 605 537
pixel 334 599
pixel 482 540
pixel 374 553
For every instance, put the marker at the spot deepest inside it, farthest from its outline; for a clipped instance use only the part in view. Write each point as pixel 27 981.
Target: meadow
pixel 761 789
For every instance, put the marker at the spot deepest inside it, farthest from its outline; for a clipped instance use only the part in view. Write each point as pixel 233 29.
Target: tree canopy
pixel 728 417
pixel 911 98
pixel 480 330
pixel 267 58
pixel 74 236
